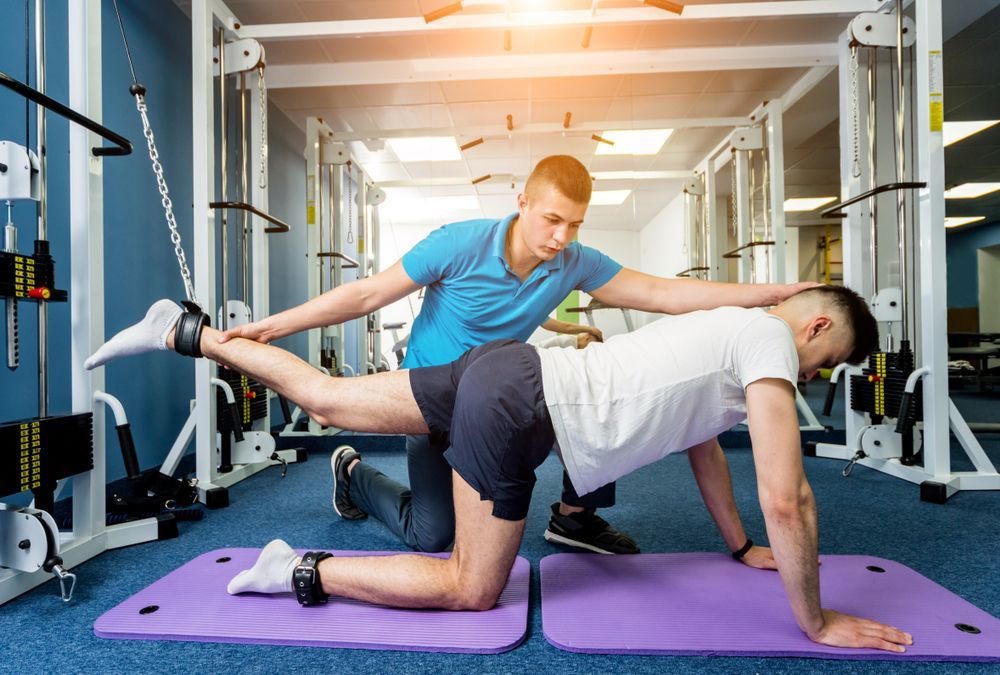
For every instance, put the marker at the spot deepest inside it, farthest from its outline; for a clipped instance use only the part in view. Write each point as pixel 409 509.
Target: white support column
pixel 203 177
pixel 86 213
pixel 314 206
pixel 260 282
pixel 714 261
pixel 776 163
pixel 743 214
pixel 930 232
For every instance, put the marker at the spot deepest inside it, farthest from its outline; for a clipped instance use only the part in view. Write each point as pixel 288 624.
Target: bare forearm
pixel 564 327
pixel 711 471
pixel 333 307
pixel 677 296
pixel 791 531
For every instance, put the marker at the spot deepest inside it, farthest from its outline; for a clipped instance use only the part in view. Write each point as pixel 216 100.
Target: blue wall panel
pixel 963 262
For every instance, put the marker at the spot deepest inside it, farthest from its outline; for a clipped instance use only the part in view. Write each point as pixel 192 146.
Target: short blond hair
pixel 566 174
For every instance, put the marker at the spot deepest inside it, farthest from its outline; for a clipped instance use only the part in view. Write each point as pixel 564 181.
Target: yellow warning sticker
pixel 937 114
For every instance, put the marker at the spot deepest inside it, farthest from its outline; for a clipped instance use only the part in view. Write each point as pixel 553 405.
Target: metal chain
pixel 168 206
pixel 856 165
pixel 350 205
pixel 262 89
pixel 734 224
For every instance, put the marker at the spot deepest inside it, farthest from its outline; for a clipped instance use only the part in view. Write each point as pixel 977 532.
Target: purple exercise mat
pixel 706 603
pixel 194 606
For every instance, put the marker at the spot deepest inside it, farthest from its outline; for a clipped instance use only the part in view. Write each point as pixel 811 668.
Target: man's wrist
pixel 742 550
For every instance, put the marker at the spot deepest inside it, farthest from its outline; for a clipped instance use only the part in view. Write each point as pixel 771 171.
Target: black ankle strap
pixel 306 582
pixel 187 332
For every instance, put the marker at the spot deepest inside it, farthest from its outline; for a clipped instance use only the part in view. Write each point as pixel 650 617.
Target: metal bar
pixel 735 253
pixel 730 11
pixel 42 208
pixel 835 211
pixel 279 225
pixel 224 155
pixel 684 274
pixel 37 97
pixel 558 64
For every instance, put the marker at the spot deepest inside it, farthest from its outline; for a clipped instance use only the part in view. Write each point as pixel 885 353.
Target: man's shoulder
pixel 472 229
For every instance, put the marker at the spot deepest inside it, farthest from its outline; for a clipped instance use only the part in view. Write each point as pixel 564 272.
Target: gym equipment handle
pixel 904 423
pixel 684 274
pixel 837 210
pixel 234 410
pixel 35 96
pixel 735 253
pixel 831 395
pixel 127 445
pixel 351 263
pixel 279 226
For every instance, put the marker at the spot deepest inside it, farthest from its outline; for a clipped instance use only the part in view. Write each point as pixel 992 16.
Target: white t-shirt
pixel 672 384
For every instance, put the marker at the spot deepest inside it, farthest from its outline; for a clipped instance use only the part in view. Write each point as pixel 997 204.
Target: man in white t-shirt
pixel 611 408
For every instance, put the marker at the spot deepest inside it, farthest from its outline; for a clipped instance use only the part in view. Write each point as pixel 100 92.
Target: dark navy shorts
pixel 490 404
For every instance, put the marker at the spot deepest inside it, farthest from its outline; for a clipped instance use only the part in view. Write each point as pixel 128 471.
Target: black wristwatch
pixel 305 580
pixel 738 555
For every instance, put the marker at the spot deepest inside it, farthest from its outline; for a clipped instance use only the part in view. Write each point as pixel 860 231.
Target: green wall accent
pixel 572 300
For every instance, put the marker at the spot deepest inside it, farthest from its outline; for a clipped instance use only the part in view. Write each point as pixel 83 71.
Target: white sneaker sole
pixel 551 536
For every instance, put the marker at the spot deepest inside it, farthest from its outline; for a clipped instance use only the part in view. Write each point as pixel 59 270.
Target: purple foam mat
pixel 193 605
pixel 706 603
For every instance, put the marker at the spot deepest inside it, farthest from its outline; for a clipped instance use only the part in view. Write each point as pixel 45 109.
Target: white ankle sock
pixel 148 335
pixel 272 573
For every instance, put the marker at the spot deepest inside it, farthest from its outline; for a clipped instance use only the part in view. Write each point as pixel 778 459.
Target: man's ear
pixel 522 202
pixel 820 325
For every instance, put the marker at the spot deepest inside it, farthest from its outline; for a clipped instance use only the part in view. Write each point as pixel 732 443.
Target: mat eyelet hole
pixel 149 609
pixel 966 628
pixel 875 568
pixel 224 559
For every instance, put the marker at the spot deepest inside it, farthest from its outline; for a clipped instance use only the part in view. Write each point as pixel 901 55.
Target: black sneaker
pixel 588 531
pixel 341 497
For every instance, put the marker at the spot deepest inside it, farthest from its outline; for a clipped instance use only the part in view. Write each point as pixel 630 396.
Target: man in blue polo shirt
pixel 488 280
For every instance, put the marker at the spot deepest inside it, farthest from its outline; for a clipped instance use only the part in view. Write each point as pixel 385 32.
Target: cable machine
pixel 44 454
pixel 341 246
pixel 899 414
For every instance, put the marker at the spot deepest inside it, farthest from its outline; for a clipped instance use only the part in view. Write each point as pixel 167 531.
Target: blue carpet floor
pixel 869 513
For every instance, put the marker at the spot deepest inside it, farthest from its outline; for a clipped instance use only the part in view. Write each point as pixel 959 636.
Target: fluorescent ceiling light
pixel 956 221
pixel 608 197
pixel 633 141
pixel 426 149
pixel 971 190
pixel 956 131
pixel 807 203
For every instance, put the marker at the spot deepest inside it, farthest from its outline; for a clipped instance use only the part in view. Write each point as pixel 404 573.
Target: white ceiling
pixel 642 66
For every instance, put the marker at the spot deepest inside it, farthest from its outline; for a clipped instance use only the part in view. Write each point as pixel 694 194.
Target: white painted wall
pixel 663 246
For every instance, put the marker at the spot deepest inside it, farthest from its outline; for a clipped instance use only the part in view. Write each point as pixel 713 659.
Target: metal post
pixel 86 225
pixel 203 183
pixel 224 157
pixel 933 298
pixel 43 215
pixel 776 188
pixel 743 206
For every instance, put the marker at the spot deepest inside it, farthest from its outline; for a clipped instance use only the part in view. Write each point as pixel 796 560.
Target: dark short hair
pixel 863 326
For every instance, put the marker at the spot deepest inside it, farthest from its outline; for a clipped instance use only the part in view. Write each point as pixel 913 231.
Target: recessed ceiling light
pixel 807 203
pixel 971 190
pixel 956 131
pixel 426 149
pixel 633 141
pixel 608 197
pixel 958 221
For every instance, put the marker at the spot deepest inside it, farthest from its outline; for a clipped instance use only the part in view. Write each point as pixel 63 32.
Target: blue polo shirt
pixel 472 296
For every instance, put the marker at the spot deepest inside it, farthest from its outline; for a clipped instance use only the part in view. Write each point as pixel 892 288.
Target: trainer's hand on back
pixel 844 630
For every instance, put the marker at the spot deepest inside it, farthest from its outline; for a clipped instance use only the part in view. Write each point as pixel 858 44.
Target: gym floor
pixel 868 513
